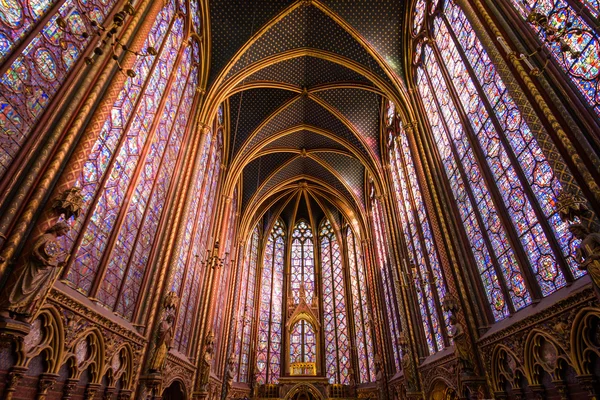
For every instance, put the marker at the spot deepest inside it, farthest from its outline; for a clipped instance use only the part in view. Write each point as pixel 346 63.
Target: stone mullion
pixel 240 303
pixel 388 222
pixel 375 302
pixel 588 177
pixel 233 322
pixel 206 304
pixel 435 201
pixel 401 164
pixel 75 168
pixel 528 192
pixel 262 242
pixel 415 347
pixel 477 214
pixel 351 323
pixel 432 205
pixel 188 138
pixel 106 88
pixel 444 200
pixel 510 227
pixel 124 208
pixel 175 231
pixel 197 340
pixel 410 300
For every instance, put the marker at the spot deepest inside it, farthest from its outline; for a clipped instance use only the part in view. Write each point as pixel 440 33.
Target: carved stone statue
pixel 229 374
pixel 209 345
pixel 163 344
pixel 461 345
pixel 407 370
pixel 588 252
pixel 29 282
pixel 255 384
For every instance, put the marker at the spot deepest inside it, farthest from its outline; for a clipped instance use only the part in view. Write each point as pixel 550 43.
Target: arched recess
pixel 119 367
pixel 45 338
pixel 543 354
pixel 585 341
pixel 505 369
pixel 86 351
pixel 175 390
pixel 304 388
pixel 441 389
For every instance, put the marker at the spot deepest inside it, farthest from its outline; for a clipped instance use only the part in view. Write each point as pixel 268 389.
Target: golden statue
pixel 29 282
pixel 461 345
pixel 209 345
pixel 163 344
pixel 588 252
pixel 229 374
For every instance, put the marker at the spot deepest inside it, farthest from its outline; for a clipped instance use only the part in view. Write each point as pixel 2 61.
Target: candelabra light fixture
pixel 420 282
pixel 213 260
pixel 108 37
pixel 551 36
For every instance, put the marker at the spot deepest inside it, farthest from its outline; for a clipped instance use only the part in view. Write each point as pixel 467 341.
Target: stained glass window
pixel 583 67
pixel 388 281
pixel 337 341
pixel 482 138
pixel 303 265
pixel 268 354
pixel 113 159
pixel 41 68
pixel 245 313
pixel 191 286
pixel 360 306
pixel 127 176
pixel 419 14
pixel 429 279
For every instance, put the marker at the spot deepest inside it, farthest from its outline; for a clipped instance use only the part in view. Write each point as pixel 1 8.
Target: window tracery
pixel 389 291
pixel 38 72
pixel 245 313
pixel 268 355
pixel 127 176
pixel 303 265
pixel 503 185
pixel 419 240
pixel 337 339
pixel 358 287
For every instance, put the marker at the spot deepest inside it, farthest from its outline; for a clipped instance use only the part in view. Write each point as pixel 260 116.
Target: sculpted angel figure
pixel 588 252
pixel 29 282
pixel 163 344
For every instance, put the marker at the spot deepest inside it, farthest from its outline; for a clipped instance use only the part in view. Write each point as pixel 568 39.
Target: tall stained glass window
pixel 303 264
pixel 360 306
pixel 127 176
pixel 187 280
pixel 268 354
pixel 43 63
pixel 582 64
pixel 431 287
pixel 245 307
pixel 503 185
pixel 389 292
pixel 337 340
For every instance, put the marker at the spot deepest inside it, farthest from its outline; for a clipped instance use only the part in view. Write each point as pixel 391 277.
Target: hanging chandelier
pixel 108 37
